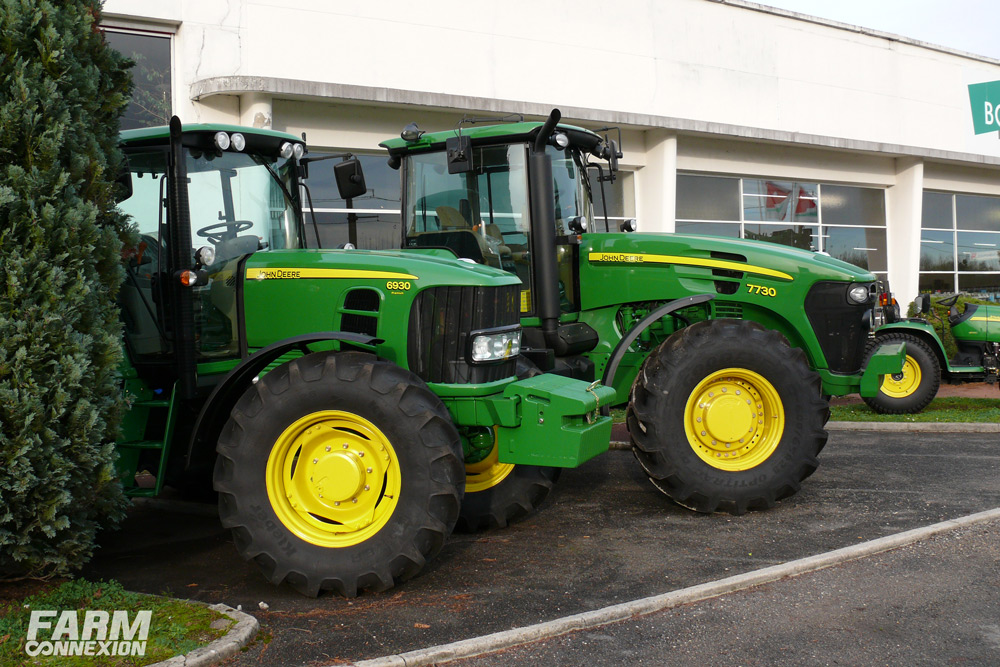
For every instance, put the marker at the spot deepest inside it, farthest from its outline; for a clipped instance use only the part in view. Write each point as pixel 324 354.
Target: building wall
pixel 722 87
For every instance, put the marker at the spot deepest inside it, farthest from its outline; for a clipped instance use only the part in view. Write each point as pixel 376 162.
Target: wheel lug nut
pixel 346 445
pixel 369 471
pixel 354 500
pixel 315 460
pixel 336 503
pixel 367 488
pixel 328 448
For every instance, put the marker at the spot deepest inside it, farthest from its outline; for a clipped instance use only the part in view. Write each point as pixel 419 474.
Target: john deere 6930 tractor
pixel 722 350
pixel 342 400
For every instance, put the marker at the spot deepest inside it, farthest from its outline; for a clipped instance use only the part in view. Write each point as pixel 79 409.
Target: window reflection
pixel 150 104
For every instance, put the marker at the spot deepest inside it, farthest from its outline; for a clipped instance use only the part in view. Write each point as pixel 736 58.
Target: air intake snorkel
pixel 543 230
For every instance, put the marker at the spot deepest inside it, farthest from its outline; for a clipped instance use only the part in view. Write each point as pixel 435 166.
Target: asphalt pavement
pixel 607 537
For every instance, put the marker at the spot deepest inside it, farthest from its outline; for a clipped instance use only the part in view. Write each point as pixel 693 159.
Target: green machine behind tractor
pixel 350 407
pixel 976 331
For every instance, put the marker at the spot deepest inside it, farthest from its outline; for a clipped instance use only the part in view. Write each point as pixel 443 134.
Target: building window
pixel 151 102
pixel 620 200
pixel 372 222
pixel 960 244
pixel 843 221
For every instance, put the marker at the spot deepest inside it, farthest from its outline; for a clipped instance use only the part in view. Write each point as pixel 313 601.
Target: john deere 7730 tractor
pixel 722 350
pixel 343 400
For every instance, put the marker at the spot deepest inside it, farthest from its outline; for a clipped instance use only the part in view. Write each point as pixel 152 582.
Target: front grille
pixel 840 326
pixel 440 322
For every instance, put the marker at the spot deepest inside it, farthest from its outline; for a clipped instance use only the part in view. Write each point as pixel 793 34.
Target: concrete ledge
pixel 225 647
pixel 921 427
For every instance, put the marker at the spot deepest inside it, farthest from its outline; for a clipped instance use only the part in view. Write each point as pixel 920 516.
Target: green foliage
pixel 938 317
pixel 175 627
pixel 951 409
pixel 62 91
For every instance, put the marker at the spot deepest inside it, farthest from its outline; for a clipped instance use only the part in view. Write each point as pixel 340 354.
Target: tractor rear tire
pixel 910 390
pixel 726 416
pixel 341 472
pixel 503 494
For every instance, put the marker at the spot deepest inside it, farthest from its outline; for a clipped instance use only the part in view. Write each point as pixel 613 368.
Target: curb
pixel 503 640
pixel 923 427
pixel 222 648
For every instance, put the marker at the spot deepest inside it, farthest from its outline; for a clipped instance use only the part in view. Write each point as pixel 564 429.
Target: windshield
pixel 240 203
pixel 484 214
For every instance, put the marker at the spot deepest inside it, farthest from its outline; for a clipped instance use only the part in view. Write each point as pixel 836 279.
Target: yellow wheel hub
pixel 904 383
pixel 734 419
pixel 488 472
pixel 333 478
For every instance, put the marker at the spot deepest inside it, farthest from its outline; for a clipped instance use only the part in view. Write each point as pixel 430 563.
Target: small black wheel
pixel 497 494
pixel 726 416
pixel 910 390
pixel 339 471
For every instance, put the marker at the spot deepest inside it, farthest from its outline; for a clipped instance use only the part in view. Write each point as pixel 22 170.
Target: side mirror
pixel 350 178
pixel 924 303
pixel 124 180
pixel 613 159
pixel 459 154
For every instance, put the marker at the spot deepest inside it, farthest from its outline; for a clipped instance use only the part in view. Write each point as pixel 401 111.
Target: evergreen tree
pixel 62 91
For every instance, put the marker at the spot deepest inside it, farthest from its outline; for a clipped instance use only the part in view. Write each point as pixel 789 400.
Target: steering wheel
pixel 224 230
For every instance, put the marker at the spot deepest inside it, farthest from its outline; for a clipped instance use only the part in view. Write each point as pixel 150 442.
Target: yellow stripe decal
pixel 639 258
pixel 275 273
pixel 988 318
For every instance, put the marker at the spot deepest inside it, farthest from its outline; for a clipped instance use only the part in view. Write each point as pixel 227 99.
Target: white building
pixel 736 118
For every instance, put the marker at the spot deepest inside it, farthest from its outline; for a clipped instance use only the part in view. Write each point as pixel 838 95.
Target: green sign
pixel 985 101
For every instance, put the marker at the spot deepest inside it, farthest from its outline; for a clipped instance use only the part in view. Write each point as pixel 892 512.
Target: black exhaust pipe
pixel 543 232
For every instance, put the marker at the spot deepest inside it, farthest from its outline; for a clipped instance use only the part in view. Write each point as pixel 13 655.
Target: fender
pixel 924 332
pixel 622 347
pixel 223 398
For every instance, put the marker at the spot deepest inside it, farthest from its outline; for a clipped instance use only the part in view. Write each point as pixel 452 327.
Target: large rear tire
pixel 339 471
pixel 910 390
pixel 726 416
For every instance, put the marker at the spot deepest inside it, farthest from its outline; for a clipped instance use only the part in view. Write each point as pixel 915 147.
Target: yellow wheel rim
pixel 487 473
pixel 333 478
pixel 734 419
pixel 904 383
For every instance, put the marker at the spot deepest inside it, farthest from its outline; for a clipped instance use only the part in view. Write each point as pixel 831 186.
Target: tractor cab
pixel 202 201
pixel 472 194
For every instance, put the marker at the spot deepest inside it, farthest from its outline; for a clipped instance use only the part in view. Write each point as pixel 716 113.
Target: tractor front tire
pixel 726 416
pixel 910 390
pixel 341 472
pixel 497 494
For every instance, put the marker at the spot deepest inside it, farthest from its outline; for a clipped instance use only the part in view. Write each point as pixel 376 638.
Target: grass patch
pixel 951 409
pixel 175 627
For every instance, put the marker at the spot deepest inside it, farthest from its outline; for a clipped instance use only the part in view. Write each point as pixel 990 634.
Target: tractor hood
pixel 701 263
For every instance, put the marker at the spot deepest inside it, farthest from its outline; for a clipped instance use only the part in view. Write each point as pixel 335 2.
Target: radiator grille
pixel 441 319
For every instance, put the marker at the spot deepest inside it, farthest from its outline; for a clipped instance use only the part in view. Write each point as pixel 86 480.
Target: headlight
pixel 239 141
pixel 858 294
pixel 286 150
pixel 222 140
pixel 490 346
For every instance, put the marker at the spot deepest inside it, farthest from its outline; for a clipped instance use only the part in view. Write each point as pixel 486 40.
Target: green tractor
pixel 724 351
pixel 976 331
pixel 342 402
